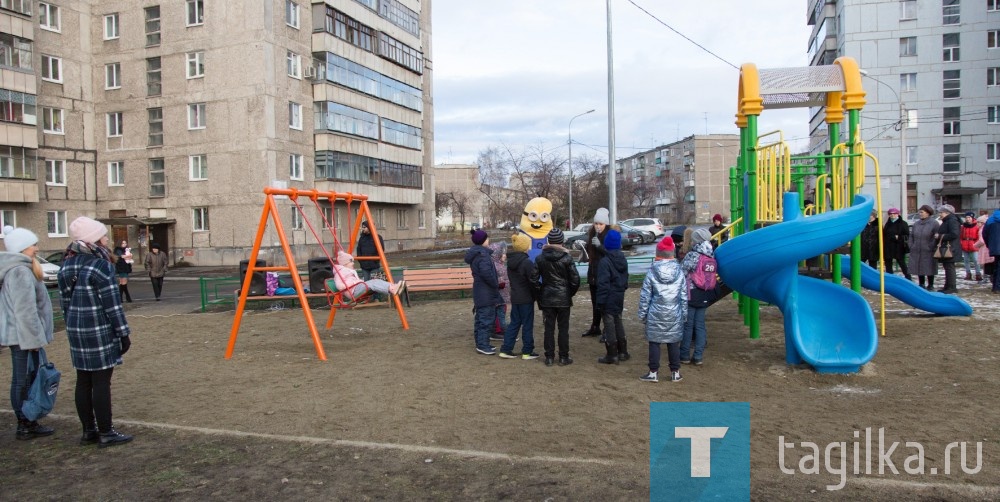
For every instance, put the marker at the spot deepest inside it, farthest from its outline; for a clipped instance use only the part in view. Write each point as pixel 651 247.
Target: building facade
pixel 167 119
pixel 932 80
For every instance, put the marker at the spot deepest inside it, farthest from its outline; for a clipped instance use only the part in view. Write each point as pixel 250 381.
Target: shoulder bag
pixel 41 394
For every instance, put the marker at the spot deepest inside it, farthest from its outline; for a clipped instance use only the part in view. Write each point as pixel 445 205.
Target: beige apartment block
pixel 167 120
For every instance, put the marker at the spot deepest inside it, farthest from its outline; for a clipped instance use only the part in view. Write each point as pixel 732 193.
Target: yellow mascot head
pixel 537 218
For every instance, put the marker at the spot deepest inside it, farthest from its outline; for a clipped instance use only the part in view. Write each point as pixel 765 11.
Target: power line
pixel 671 28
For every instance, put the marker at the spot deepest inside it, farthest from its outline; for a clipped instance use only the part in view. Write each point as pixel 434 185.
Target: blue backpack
pixel 41 394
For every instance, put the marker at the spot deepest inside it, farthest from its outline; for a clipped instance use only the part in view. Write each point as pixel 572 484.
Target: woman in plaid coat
pixel 95 327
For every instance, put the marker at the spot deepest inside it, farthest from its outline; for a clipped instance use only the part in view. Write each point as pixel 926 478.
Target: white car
pixel 50 272
pixel 647 224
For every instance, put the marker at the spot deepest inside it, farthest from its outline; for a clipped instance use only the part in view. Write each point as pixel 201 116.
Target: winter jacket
pixel 663 302
pixel 991 233
pixel 612 281
pixel 485 285
pixel 524 283
pixel 25 308
pixel 949 232
pixel 499 250
pixel 896 235
pixel 92 308
pixel 122 266
pixel 869 242
pixel 595 252
pixel 345 278
pixel 969 234
pixel 560 279
pixel 366 247
pixel 714 229
pixel 922 244
pixel 156 264
pixel 983 252
pixel 690 261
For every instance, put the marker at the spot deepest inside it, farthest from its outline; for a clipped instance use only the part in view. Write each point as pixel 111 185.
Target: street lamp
pixel 902 143
pixel 570 163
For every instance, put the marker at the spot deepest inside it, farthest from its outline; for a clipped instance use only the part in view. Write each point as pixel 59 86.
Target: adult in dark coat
pixel 991 236
pixel 560 281
pixel 869 241
pixel 612 281
pixel 896 234
pixel 948 235
pixel 923 240
pixel 595 252
pixel 485 290
pixel 366 247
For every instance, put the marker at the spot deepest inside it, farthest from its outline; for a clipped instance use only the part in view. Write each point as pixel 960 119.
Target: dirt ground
pixel 418 415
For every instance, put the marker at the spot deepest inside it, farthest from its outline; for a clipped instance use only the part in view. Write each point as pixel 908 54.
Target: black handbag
pixel 943 250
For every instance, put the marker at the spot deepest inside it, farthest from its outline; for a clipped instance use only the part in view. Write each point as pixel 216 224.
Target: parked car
pixel 583 227
pixel 644 236
pixel 55 258
pixel 648 224
pixel 50 272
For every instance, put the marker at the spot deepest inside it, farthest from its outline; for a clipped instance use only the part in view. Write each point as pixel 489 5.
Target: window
pixel 155 126
pixel 911 119
pixel 111 26
pixel 330 116
pixel 152 25
pixel 950 10
pixel 294 65
pixel 198 165
pixel 349 167
pixel 196 116
pixel 950 42
pixel 993 77
pixel 406 56
pixel 116 173
pixel 361 78
pixel 992 5
pixel 51 68
pixel 400 15
pixel 52 120
pixel 8 217
pixel 200 219
pixel 398 133
pixel 993 39
pixel 993 152
pixel 20 6
pixel 907 82
pixel 993 188
pixel 295 167
pixel 17 162
pixel 952 158
pixel 296 218
pixel 908 46
pixel 15 52
pixel 907 10
pixel 157 178
pixel 56 221
pixel 55 172
pixel 115 126
pixel 294 115
pixel 48 17
pixel 17 107
pixel 153 77
pixel 196 12
pixel 292 14
pixel 195 64
pixel 401 219
pixel 380 218
pixel 993 114
pixel 421 219
pixel 112 76
pixel 952 124
pixel 952 84
pixel 911 155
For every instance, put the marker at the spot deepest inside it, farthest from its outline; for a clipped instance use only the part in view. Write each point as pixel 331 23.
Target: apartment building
pixel 167 119
pixel 932 80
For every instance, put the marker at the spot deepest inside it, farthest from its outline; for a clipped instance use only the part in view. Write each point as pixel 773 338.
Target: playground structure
pixel 336 299
pixel 826 325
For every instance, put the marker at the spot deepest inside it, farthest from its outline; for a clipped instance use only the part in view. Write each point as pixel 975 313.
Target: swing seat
pixel 342 299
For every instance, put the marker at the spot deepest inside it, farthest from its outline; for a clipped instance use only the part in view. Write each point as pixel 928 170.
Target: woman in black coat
pixel 896 235
pixel 869 241
pixel 948 234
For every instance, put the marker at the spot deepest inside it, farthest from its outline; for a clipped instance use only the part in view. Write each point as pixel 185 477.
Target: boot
pixel 593 331
pixel 623 354
pixel 612 355
pixel 90 435
pixel 979 278
pixel 968 276
pixel 128 296
pixel 112 438
pixel 32 429
pixel 930 283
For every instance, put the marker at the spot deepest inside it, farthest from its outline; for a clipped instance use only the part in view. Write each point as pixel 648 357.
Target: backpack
pixel 704 275
pixel 40 395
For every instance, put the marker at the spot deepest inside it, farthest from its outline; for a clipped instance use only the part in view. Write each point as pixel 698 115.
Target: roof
pixel 141 222
pixel 958 191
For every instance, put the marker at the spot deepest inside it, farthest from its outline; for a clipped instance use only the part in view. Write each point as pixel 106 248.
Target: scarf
pixel 81 247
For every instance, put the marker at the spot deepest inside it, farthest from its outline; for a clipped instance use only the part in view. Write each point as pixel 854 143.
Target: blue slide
pixel 826 325
pixel 908 292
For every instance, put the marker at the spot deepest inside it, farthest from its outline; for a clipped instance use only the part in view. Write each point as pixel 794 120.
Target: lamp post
pixel 570 164
pixel 902 143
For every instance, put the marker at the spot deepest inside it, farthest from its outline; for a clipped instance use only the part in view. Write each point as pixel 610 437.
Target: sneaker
pixel 505 355
pixel 489 351
pixel 112 438
pixel 685 361
pixel 565 361
pixel 697 362
pixel 529 356
pixel 649 377
pixel 496 336
pixel 675 376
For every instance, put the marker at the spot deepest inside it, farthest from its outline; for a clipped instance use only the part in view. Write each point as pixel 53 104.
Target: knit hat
pixel 87 230
pixel 556 236
pixel 520 243
pixel 893 210
pixel 948 208
pixel 717 218
pixel 665 244
pixel 982 219
pixel 18 239
pixel 602 216
pixel 927 209
pixel 701 235
pixel 970 214
pixel 479 236
pixel 613 240
pixel 344 259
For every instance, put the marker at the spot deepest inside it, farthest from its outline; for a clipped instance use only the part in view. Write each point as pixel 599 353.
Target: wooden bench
pixel 436 279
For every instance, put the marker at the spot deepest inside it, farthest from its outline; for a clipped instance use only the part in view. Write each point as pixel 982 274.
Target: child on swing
pixel 347 280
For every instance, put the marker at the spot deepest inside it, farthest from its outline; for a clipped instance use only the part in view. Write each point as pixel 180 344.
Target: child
pixel 499 258
pixel 612 281
pixel 560 281
pixel 347 280
pixel 485 291
pixel 663 308
pixel 694 327
pixel 523 286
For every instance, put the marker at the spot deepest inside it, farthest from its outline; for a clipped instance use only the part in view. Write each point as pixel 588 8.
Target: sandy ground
pixel 418 414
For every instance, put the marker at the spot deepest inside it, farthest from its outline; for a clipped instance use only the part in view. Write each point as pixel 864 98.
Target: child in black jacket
pixel 524 287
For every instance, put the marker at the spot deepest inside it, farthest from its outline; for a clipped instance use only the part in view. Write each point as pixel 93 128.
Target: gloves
pixel 503 284
pixel 595 241
pixel 126 344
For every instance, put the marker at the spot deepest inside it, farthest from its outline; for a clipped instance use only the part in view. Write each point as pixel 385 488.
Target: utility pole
pixel 904 191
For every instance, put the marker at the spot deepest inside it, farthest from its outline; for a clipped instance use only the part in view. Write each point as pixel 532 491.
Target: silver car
pixel 50 272
pixel 647 224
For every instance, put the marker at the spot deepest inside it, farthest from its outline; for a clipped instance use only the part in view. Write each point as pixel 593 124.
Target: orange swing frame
pixel 270 211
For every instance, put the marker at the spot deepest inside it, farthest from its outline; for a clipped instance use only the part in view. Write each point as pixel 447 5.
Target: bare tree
pixel 637 194
pixel 457 202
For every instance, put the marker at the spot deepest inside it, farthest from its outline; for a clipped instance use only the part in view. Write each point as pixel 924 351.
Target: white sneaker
pixel 649 377
pixel 675 376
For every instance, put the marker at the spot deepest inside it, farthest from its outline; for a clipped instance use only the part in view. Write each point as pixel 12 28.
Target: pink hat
pixel 893 210
pixel 344 259
pixel 666 244
pixel 87 230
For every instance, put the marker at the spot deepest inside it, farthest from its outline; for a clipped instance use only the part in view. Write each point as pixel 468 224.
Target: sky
pixel 515 72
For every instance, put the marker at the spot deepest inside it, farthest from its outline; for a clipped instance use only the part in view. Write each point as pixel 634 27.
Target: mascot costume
pixel 536 221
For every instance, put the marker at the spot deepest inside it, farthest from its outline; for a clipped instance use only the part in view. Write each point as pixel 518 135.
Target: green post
pixel 750 153
pixel 834 132
pixel 853 119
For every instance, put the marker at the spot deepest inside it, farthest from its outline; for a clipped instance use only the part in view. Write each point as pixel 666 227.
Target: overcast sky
pixel 516 71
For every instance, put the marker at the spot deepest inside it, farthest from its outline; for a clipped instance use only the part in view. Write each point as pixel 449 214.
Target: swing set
pixel 337 299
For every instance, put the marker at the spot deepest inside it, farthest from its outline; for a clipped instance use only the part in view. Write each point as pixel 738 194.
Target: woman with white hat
pixel 25 318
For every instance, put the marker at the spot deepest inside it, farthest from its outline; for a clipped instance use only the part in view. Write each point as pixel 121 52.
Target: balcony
pixel 18 191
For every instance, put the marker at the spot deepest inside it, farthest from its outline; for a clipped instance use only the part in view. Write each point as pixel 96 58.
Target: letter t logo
pixel 701 447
